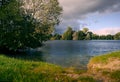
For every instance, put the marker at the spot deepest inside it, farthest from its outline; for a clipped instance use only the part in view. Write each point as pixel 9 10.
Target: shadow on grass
pixel 30 55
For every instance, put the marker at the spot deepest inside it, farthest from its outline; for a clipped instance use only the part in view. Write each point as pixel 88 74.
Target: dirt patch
pixel 112 65
pixel 102 71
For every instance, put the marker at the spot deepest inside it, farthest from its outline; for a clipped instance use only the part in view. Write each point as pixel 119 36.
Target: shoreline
pixel 13 69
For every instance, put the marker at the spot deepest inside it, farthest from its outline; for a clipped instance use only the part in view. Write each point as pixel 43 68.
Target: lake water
pixel 75 53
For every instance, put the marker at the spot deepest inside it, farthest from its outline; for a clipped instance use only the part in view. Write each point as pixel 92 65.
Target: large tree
pixel 85 30
pixel 67 35
pixel 75 35
pixel 27 23
pixel 88 36
pixel 81 35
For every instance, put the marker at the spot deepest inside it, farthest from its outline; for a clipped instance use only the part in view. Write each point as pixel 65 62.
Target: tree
pixel 109 37
pixel 95 37
pixel 68 34
pixel 117 36
pixel 81 35
pixel 44 14
pixel 88 36
pixel 27 23
pixel 85 30
pixel 102 37
pixel 75 35
pixel 11 22
pixel 56 37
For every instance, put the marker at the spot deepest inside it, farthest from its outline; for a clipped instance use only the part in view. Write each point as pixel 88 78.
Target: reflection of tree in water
pixel 78 47
pixel 27 55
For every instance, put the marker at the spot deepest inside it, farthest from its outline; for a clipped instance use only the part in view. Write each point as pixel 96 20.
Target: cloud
pixel 106 31
pixel 76 10
pixel 66 23
pixel 80 8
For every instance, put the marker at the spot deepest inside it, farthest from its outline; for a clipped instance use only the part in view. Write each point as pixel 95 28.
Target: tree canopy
pixel 117 36
pixel 27 23
pixel 85 30
pixel 68 34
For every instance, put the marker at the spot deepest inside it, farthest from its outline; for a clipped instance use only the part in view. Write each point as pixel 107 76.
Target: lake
pixel 75 53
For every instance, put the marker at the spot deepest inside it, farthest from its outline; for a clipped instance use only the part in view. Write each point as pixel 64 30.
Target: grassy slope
pixel 104 58
pixel 106 67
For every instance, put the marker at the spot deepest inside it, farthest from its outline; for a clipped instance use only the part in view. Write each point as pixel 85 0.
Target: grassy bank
pixel 28 71
pixel 106 67
pixel 105 57
pixel 17 70
pixel 103 68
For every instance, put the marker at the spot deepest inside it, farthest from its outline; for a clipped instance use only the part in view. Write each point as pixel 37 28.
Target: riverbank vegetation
pixel 83 34
pixel 104 68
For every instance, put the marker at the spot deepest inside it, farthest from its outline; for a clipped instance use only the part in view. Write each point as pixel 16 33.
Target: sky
pixel 100 16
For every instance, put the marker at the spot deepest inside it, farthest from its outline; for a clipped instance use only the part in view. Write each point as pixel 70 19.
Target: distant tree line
pixel 83 34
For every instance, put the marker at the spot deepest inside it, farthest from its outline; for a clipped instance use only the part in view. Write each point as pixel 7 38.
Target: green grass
pixel 22 70
pixel 87 79
pixel 29 71
pixel 104 58
pixel 115 75
pixel 19 70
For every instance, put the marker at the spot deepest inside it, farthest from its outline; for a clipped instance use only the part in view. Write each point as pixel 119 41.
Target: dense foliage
pixel 27 23
pixel 117 36
pixel 68 34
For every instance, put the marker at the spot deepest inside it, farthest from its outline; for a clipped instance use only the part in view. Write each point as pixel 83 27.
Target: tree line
pixel 83 34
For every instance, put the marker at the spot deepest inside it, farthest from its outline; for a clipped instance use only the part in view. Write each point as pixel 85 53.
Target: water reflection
pixel 30 55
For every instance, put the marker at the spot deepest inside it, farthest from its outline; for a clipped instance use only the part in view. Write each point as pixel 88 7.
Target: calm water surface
pixel 75 53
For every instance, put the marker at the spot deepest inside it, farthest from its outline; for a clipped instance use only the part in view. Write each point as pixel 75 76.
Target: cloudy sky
pixel 100 16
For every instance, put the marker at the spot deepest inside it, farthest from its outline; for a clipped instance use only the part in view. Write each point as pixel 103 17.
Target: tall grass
pixel 29 71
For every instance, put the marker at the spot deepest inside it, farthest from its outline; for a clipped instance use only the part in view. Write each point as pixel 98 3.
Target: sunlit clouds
pixel 108 30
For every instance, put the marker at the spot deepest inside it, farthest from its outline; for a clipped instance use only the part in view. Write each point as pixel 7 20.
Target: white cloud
pixel 106 31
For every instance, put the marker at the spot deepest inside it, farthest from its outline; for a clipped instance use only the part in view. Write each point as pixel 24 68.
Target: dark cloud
pixel 80 8
pixel 74 10
pixel 66 23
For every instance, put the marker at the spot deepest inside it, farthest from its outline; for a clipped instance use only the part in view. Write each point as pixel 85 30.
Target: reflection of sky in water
pixel 76 53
